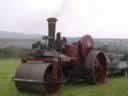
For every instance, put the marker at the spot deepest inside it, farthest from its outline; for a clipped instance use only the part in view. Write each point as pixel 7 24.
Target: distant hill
pixel 22 43
pixel 18 39
pixel 16 35
pixel 21 40
pixel 26 40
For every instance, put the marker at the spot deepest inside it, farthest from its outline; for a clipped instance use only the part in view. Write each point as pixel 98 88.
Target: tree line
pixel 13 52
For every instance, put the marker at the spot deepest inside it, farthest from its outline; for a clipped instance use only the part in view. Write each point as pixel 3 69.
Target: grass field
pixel 117 86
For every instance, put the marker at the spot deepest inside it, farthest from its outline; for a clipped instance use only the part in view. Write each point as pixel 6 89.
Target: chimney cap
pixel 51 19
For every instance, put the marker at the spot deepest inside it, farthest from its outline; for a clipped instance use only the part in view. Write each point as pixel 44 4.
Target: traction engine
pixel 48 67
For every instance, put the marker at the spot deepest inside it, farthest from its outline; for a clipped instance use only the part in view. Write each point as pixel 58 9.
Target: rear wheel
pixel 96 67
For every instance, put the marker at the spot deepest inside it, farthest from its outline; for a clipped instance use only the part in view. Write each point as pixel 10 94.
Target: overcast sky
pixel 99 18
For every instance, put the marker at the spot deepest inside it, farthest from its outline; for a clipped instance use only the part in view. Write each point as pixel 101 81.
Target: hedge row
pixel 12 52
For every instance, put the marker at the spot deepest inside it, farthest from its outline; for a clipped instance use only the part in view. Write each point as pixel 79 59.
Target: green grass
pixel 117 86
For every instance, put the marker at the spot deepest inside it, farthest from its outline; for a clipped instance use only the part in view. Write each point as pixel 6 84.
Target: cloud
pixel 99 18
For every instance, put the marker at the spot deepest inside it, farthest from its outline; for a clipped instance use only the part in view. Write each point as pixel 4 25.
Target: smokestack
pixel 51 31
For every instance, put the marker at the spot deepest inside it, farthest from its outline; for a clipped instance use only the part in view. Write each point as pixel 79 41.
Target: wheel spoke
pixel 51 85
pixel 98 66
pixel 98 70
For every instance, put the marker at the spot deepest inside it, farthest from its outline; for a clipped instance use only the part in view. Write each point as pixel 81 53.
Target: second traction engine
pixel 47 67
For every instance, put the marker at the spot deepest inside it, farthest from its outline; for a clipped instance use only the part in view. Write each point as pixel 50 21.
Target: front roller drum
pixel 96 67
pixel 38 78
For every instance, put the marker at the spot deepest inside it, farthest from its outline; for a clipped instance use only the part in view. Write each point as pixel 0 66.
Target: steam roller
pixel 50 64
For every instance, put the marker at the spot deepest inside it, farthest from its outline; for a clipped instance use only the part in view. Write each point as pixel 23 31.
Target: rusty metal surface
pixel 30 72
pixel 86 43
pixel 45 77
pixel 72 50
pixel 96 67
